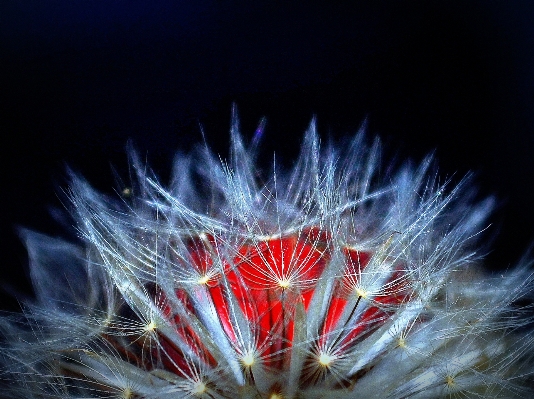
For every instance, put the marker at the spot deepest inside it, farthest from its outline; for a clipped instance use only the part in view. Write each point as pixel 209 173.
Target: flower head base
pixel 319 283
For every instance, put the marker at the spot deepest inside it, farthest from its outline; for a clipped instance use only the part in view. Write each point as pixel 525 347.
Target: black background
pixel 78 78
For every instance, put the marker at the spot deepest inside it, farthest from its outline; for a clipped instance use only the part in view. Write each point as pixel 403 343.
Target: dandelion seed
pixel 325 360
pixel 327 281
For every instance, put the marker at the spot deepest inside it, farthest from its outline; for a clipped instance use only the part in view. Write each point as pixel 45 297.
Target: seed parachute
pixel 329 280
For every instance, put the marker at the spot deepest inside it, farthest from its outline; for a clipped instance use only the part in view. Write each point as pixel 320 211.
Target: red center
pixel 268 278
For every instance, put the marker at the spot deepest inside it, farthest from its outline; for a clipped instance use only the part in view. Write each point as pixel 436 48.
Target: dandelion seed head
pixel 326 280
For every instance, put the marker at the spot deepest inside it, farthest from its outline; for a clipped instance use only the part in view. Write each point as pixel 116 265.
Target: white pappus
pixel 324 281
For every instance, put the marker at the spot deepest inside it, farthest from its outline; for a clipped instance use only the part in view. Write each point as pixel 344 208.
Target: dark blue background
pixel 78 78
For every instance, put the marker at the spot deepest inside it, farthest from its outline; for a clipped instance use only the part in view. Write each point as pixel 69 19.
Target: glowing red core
pixel 268 278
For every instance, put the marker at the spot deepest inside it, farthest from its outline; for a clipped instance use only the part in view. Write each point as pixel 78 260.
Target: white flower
pixel 328 281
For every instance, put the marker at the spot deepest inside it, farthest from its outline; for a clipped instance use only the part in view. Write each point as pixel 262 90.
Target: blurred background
pixel 78 79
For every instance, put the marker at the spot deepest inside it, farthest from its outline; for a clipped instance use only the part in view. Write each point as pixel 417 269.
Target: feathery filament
pixel 326 281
